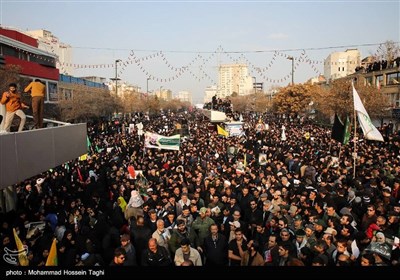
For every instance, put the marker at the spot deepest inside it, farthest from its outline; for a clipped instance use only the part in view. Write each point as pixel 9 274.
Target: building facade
pixel 164 94
pixel 23 51
pixel 50 43
pixel 184 96
pixel 341 64
pixel 234 78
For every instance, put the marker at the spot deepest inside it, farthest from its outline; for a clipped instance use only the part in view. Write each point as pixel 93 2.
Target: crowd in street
pixel 213 202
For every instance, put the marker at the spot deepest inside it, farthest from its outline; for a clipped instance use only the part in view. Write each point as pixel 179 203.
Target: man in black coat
pixel 215 248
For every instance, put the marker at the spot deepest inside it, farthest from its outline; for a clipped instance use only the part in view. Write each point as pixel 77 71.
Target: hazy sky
pixel 203 34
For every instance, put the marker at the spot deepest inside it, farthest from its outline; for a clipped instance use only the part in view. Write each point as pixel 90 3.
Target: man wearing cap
pixel 319 227
pixel 233 226
pixel 297 223
pixel 311 240
pixel 130 253
pixel 202 225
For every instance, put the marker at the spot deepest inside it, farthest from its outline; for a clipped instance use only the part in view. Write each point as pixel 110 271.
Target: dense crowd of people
pixel 204 206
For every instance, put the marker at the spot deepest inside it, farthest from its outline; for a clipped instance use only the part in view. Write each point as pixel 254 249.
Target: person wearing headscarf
pixel 122 203
pixel 134 207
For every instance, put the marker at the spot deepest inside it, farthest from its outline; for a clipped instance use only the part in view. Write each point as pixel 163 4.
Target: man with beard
pixel 215 248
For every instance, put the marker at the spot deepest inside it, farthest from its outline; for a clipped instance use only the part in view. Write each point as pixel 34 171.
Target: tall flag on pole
pixel 52 257
pixel 22 250
pixel 222 131
pixel 347 131
pixel 88 143
pixel 340 130
pixel 369 130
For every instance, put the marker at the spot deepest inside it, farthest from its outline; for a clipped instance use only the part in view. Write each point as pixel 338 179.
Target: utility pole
pixel 292 59
pixel 116 76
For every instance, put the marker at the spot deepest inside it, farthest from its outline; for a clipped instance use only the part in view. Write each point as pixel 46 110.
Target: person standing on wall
pixel 14 106
pixel 38 91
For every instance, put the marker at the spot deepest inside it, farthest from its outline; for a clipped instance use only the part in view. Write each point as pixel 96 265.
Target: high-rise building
pixel 341 64
pixel 234 78
pixel 184 96
pixel 50 43
pixel 164 94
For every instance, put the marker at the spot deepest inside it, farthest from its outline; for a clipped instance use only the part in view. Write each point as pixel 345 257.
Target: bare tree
pixel 388 51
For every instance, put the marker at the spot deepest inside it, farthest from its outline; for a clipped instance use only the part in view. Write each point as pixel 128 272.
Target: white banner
pixel 153 140
pixel 369 130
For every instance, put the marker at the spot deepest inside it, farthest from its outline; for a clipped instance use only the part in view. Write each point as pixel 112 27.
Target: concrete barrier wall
pixel 28 153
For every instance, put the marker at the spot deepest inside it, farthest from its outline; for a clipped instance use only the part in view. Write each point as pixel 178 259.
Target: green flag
pixel 340 130
pixel 88 143
pixel 347 131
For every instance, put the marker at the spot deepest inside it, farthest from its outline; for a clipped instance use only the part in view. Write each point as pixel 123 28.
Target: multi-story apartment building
pixel 340 64
pixel 50 43
pixel 184 96
pixel 234 78
pixel 164 94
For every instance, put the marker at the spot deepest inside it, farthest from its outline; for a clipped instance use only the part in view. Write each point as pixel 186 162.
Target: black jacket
pixel 160 258
pixel 216 254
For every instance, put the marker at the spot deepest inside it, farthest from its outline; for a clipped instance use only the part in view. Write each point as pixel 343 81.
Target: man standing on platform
pixel 38 91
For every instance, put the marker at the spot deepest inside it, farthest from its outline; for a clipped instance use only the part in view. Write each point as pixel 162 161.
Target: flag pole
pixel 354 138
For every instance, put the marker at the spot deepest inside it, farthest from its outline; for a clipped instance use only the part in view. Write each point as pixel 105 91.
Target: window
pixel 52 91
pixel 379 81
pixel 66 94
pixel 10 51
pixel 368 81
pixel 393 78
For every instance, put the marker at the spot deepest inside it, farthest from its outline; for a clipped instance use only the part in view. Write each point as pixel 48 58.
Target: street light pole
pixel 116 76
pixel 292 59
pixel 255 85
